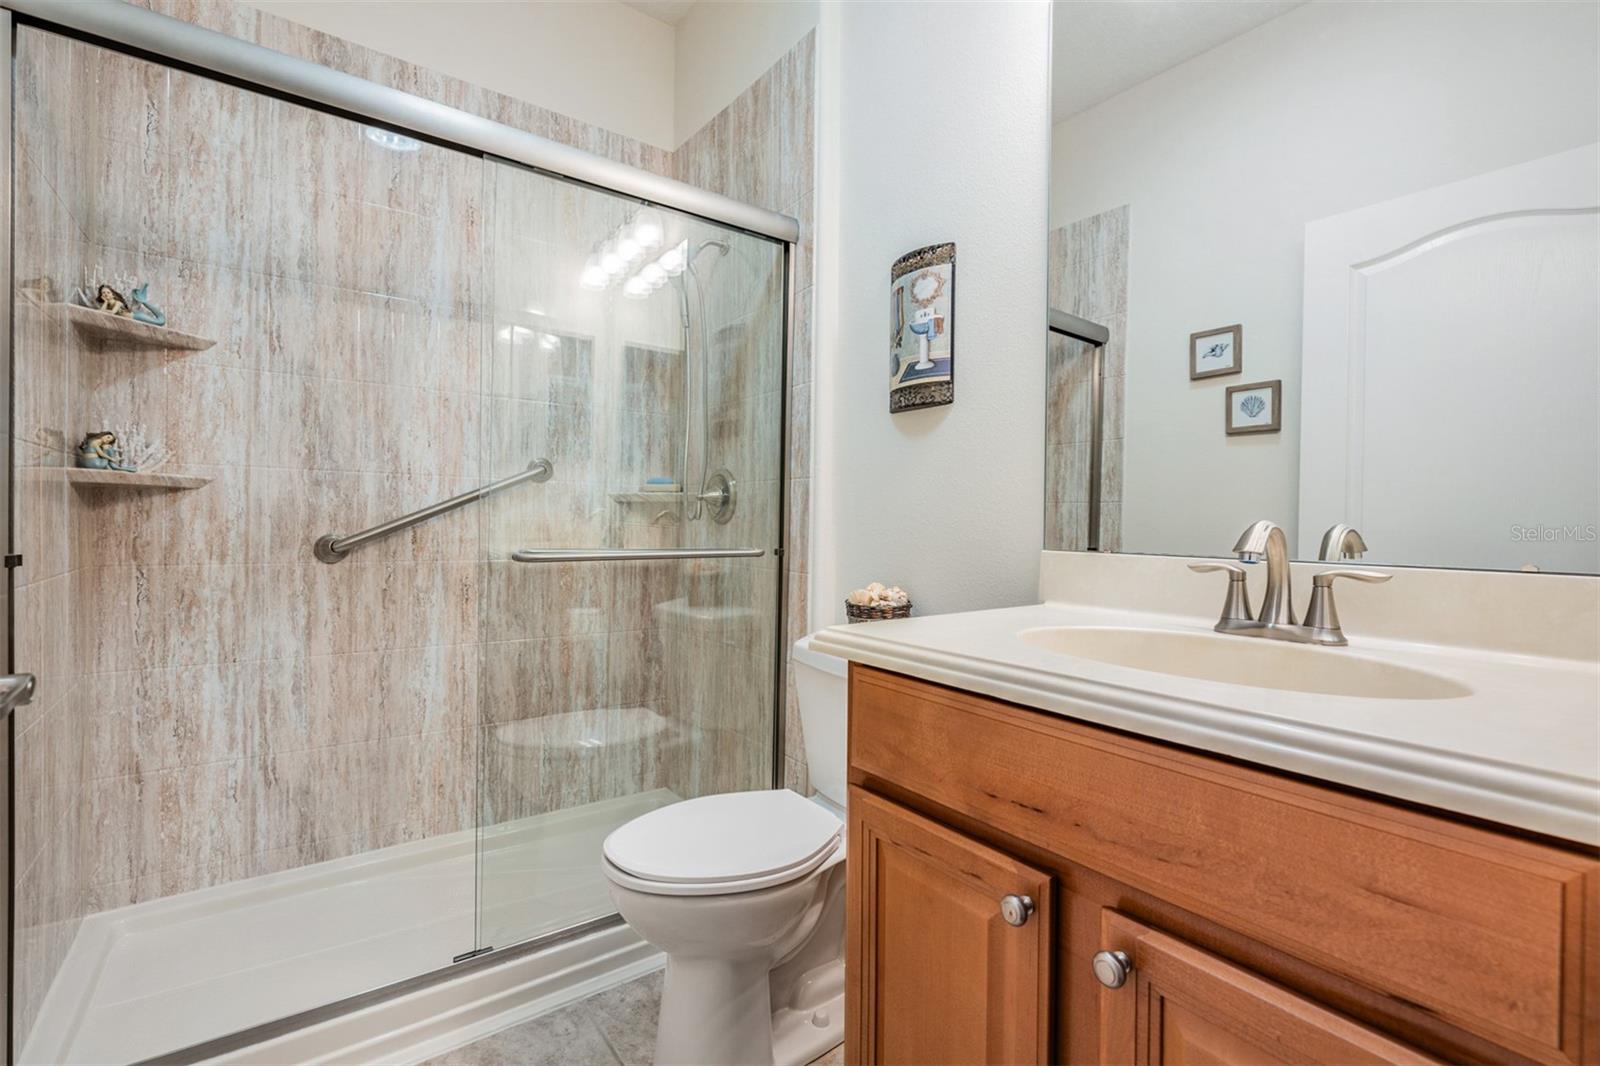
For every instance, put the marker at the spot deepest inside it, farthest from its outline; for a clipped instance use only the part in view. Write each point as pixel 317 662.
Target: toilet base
pixel 804 1034
pixel 729 1036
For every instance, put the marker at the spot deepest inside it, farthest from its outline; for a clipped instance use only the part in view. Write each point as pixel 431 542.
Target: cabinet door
pixel 1181 1005
pixel 942 966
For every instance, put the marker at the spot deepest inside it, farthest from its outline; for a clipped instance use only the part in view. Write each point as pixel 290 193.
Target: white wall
pixel 1224 159
pixel 598 61
pixel 934 127
pixel 722 47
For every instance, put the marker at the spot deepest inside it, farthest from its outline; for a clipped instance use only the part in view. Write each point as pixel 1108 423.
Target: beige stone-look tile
pixel 534 678
pixel 799 446
pixel 182 818
pixel 142 722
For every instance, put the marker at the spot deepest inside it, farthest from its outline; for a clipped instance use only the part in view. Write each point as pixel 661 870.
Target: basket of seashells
pixel 876 602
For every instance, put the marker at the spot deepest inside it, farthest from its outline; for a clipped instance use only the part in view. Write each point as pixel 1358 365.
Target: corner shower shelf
pixel 118 479
pixel 128 333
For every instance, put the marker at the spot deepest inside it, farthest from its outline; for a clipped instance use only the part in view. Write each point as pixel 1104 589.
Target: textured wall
pixel 1088 278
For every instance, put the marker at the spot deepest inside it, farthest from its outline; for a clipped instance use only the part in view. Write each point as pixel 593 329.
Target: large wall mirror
pixel 1346 262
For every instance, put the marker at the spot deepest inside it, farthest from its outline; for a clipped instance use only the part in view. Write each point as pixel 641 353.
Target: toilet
pixel 744 893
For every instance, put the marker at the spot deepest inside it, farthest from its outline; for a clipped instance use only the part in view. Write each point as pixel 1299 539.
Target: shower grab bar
pixel 331 547
pixel 611 555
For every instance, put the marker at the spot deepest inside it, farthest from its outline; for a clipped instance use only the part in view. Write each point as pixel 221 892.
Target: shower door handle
pixel 15 690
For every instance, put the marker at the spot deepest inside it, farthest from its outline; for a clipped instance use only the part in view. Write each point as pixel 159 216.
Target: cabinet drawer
pixel 1488 931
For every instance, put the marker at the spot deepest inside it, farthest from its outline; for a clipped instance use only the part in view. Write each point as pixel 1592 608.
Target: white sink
pixel 1251 661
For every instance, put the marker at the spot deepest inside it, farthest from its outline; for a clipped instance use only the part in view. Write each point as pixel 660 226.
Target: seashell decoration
pixel 878 595
pixel 139 450
pixel 1252 405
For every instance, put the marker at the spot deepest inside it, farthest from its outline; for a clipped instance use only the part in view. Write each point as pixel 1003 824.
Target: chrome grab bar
pixel 331 547
pixel 15 690
pixel 611 555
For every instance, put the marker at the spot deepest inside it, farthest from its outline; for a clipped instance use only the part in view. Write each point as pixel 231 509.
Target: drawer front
pixel 1487 931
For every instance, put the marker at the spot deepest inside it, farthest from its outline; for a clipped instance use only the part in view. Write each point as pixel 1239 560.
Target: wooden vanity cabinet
pixel 1263 918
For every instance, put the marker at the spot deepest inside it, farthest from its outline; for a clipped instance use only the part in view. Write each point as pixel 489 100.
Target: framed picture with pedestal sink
pixel 922 360
pixel 1255 408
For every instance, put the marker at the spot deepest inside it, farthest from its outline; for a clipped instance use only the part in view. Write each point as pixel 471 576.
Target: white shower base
pixel 155 977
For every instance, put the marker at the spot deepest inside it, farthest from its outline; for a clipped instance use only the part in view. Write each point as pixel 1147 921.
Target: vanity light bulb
pixel 636 288
pixel 612 263
pixel 647 230
pixel 594 278
pixel 629 249
pixel 653 275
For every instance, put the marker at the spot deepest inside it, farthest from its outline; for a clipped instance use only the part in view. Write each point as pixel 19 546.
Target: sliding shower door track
pixel 260 1034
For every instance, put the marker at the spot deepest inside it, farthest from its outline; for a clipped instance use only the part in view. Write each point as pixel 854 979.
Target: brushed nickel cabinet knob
pixel 1016 910
pixel 1111 968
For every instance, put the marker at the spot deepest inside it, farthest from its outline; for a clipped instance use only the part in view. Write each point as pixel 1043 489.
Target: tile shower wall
pixel 249 709
pixel 761 149
pixel 1088 278
pixel 50 859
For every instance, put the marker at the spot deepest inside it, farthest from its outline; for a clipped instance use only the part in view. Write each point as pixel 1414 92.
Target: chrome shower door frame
pixel 7 294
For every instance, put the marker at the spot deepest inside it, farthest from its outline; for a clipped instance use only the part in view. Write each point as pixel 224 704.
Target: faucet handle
pixel 1372 577
pixel 1236 608
pixel 1322 617
pixel 1235 569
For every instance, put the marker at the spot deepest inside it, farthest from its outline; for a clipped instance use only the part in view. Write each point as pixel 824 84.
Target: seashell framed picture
pixel 922 356
pixel 1216 352
pixel 1255 408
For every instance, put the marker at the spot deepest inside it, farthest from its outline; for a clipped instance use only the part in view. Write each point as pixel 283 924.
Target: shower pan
pixel 457 544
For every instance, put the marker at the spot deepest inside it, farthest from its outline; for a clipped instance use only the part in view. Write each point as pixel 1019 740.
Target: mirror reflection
pixel 1345 258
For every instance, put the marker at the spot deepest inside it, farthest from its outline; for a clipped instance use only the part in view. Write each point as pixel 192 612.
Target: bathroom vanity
pixel 1056 858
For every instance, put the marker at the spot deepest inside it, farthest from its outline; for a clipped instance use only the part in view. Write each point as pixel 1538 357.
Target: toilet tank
pixel 821 686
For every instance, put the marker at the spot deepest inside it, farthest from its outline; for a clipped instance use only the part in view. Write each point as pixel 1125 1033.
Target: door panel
pixel 936 973
pixel 1186 1007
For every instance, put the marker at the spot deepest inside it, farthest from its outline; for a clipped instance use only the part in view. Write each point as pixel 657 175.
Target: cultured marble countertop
pixel 1523 749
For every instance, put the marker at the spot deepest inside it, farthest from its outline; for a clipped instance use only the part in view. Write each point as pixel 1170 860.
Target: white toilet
pixel 744 892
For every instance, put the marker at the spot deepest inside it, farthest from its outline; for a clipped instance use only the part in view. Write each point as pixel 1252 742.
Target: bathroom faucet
pixel 1265 540
pixel 1341 542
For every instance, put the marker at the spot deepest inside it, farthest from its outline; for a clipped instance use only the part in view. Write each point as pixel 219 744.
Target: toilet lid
pixel 731 837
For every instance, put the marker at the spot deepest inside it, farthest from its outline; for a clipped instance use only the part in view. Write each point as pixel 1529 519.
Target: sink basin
pixel 1250 661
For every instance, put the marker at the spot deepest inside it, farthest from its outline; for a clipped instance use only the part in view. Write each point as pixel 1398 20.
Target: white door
pixel 1450 391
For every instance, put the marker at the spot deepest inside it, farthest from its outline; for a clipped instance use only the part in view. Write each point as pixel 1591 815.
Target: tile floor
pixel 612 1028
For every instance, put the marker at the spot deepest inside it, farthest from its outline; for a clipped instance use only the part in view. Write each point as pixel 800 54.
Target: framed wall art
pixel 1215 352
pixel 922 359
pixel 1255 408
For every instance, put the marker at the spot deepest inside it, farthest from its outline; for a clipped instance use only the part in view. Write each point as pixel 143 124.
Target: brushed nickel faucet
pixel 1276 621
pixel 1341 542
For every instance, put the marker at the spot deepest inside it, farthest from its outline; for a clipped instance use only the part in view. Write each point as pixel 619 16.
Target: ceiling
pixel 669 11
pixel 1101 47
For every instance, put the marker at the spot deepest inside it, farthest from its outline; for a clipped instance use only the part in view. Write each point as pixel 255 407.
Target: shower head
pixel 721 247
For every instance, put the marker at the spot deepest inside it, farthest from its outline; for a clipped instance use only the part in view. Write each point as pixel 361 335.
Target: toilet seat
pixel 723 844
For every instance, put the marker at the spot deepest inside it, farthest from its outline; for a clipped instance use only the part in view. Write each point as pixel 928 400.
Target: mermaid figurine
pixel 143 310
pixel 99 451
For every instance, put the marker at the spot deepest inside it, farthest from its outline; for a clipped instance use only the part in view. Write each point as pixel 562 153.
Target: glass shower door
pixel 640 351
